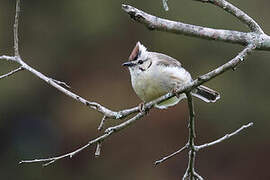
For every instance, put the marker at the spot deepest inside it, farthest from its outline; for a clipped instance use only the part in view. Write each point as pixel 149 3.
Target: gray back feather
pixel 166 60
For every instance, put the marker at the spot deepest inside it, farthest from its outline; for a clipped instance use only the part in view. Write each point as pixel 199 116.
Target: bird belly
pixel 149 87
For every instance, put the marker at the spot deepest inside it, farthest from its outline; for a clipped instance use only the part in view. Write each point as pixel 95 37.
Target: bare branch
pixel 262 41
pixel 16 25
pixel 100 127
pixel 242 16
pixel 171 155
pixel 70 155
pixel 198 176
pixel 126 123
pixel 227 136
pixel 120 114
pixel 202 79
pixel 190 172
pixel 108 113
pixel 57 84
pixel 232 64
pixel 99 139
pixel 165 5
pixel 98 149
pixel 252 40
pixel 206 77
pixel 61 83
pixel 11 72
pixel 9 58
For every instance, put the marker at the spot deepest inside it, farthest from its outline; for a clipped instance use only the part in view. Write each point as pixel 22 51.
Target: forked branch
pixel 111 130
pixel 242 16
pixel 256 39
pixel 200 147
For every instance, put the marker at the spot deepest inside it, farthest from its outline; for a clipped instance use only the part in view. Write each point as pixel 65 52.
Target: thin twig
pixel 61 83
pixel 261 40
pixel 227 136
pixel 102 122
pixel 70 155
pixel 16 25
pixel 171 155
pixel 98 149
pixel 99 139
pixel 165 5
pixel 11 72
pixel 242 16
pixel 198 176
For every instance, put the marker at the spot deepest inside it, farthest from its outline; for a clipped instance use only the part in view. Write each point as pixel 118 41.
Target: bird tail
pixel 202 92
pixel 206 94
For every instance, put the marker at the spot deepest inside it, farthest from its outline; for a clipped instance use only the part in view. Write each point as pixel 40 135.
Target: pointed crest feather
pixel 137 50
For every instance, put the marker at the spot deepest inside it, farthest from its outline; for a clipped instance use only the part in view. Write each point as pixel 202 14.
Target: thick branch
pixel 93 105
pixel 57 84
pixel 262 41
pixel 242 16
pixel 190 172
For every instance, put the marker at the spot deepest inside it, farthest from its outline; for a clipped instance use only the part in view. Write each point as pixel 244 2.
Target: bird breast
pixel 157 81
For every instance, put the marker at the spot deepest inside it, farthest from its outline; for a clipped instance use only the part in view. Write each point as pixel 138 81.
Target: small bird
pixel 155 74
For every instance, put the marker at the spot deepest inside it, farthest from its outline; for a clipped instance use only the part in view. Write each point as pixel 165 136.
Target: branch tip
pixel 101 125
pixel 225 137
pixel 98 149
pixel 165 5
pixel 169 156
pixel 12 72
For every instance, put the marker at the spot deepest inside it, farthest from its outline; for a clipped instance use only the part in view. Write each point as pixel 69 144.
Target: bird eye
pixel 140 62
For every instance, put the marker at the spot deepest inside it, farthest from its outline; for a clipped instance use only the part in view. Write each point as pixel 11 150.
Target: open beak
pixel 128 64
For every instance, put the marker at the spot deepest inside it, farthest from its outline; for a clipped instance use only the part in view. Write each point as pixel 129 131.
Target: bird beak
pixel 128 64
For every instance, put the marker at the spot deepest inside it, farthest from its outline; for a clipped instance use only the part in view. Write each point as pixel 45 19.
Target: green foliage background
pixel 84 44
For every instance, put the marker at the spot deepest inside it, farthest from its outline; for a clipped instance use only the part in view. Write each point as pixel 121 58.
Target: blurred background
pixel 84 44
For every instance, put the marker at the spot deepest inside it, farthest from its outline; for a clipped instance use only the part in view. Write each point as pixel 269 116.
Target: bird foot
pixel 142 108
pixel 174 91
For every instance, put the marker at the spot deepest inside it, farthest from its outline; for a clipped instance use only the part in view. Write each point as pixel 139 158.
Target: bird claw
pixel 142 108
pixel 174 91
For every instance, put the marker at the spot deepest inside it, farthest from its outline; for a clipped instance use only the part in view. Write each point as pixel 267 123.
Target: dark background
pixel 84 44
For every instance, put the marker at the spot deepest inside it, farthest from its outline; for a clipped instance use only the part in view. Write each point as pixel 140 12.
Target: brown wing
pixel 166 60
